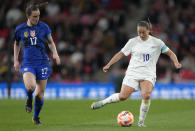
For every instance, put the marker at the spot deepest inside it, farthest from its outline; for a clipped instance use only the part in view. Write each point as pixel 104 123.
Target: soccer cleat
pixel 28 106
pixel 96 105
pixel 141 124
pixel 36 121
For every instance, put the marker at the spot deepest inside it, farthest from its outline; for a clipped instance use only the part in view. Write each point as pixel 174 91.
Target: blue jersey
pixel 33 39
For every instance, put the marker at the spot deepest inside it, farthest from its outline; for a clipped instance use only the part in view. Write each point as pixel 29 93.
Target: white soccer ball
pixel 125 118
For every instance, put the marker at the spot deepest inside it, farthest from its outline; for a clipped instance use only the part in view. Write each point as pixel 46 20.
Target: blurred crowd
pixel 87 33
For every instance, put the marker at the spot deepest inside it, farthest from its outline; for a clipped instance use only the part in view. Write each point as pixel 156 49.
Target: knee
pixel 146 96
pixel 41 92
pixel 31 87
pixel 122 97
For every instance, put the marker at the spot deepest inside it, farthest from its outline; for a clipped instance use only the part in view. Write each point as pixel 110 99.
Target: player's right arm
pixel 114 59
pixel 17 47
pixel 125 51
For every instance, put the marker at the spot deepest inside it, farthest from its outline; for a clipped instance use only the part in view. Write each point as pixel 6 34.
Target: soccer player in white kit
pixel 141 72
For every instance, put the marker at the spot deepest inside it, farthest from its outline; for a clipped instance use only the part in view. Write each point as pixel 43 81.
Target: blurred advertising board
pixel 98 91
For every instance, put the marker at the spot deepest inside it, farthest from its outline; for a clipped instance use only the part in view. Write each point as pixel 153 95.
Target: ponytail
pixel 41 5
pixel 150 27
pixel 146 24
pixel 34 6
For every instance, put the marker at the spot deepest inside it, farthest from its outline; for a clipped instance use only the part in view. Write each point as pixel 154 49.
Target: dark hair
pixel 146 24
pixel 34 7
pixel 31 7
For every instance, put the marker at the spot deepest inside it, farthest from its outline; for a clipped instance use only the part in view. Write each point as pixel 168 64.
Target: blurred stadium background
pixel 87 33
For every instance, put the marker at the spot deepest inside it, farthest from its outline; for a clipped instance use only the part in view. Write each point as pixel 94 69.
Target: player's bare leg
pixel 39 94
pixel 123 95
pixel 146 90
pixel 30 85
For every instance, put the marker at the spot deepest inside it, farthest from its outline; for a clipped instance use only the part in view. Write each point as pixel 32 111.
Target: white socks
pixel 144 110
pixel 111 99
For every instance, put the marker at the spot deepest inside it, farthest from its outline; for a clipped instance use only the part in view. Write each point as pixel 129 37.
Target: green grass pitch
pixel 76 115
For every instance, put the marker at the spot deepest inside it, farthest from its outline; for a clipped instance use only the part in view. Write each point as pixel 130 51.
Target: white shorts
pixel 134 82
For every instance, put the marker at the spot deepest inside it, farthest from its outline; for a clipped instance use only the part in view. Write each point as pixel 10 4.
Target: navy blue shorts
pixel 41 72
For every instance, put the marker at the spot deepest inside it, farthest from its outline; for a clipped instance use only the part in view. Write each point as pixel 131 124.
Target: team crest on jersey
pixel 32 33
pixel 25 34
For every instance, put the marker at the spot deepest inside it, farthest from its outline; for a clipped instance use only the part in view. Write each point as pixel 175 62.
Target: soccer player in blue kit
pixel 35 65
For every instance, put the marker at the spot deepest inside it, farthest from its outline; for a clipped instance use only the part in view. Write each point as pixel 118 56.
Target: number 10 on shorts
pixel 146 57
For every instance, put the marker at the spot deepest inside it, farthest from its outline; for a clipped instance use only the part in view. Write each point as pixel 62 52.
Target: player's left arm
pixel 173 57
pixel 52 47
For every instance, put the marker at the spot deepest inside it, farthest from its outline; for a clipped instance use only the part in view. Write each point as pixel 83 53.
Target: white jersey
pixel 144 56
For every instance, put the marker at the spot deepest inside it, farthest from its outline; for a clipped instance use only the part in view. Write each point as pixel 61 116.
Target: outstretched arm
pixel 17 46
pixel 114 59
pixel 52 47
pixel 173 57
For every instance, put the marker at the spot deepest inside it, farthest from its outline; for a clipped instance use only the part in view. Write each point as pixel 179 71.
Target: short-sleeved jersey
pixel 33 39
pixel 144 55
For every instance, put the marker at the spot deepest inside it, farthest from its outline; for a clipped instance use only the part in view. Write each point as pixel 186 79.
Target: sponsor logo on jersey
pixel 32 33
pixel 25 69
pixel 25 34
